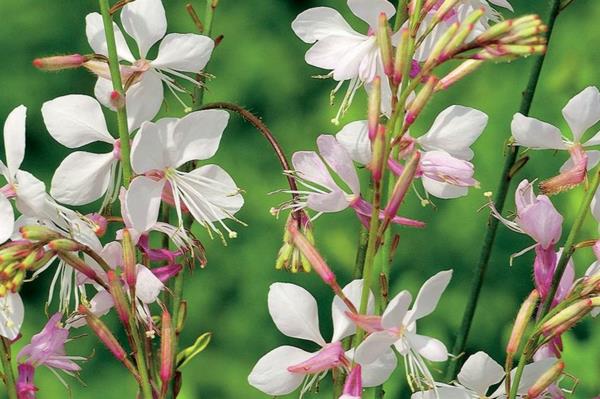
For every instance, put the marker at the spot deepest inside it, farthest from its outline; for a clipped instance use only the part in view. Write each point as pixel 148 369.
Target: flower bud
pixel 569 177
pixel 64 245
pixel 310 252
pixel 464 69
pixel 374 107
pixel 353 385
pixel 415 108
pixel 76 263
pixel 545 380
pixel 384 42
pixel 521 322
pixel 119 298
pixel 435 56
pixel 331 356
pixel 444 9
pixel 180 322
pixel 400 189
pixel 379 153
pixel 129 261
pixel 401 57
pixel 289 257
pixel 167 343
pixel 60 62
pixel 11 253
pixel 567 317
pixel 38 233
pixel 463 32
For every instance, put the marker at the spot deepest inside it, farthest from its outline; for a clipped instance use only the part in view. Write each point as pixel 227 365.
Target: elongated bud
pixel 64 245
pixel 60 62
pixel 180 322
pixel 129 261
pixel 167 355
pixel 400 189
pixel 509 51
pixel 435 57
pixel 76 263
pixel 379 152
pixel 401 57
pixel 567 317
pixel 14 252
pixel 374 107
pixel 38 233
pixel 315 259
pixel 421 100
pixel 385 44
pixel 546 379
pixel 37 259
pixel 529 32
pixel 190 352
pixel 119 298
pixel 464 69
pixel 353 385
pixel 521 322
pixel 446 7
pixel 463 32
pixel 103 334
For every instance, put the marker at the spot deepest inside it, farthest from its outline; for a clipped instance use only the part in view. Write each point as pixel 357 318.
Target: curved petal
pixel 445 392
pixel 197 135
pixel 396 310
pixel 430 348
pixel 294 312
pixel 343 54
pixel 533 133
pixel 31 194
pixel 374 346
pixel 12 313
pixel 82 177
pixel 147 286
pixel 319 22
pixel 144 100
pixel 270 374
pixel 143 200
pixel 443 190
pixel 7 216
pixel 145 21
pixel 150 148
pixel 429 296
pixel 342 325
pixel 582 111
pixel 339 160
pixel 94 30
pixel 369 10
pixel 378 372
pixel 76 120
pixel 14 139
pixel 358 61
pixel 480 372
pixel 184 52
pixel 454 130
pixel 502 3
pixel 593 157
pixel 354 137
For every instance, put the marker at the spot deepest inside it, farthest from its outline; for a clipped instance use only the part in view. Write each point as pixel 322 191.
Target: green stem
pixel 211 7
pixel 9 374
pixel 517 378
pixel 140 357
pixel 115 74
pixel 499 200
pixel 401 14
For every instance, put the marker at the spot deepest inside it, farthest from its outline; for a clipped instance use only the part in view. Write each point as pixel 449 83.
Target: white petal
pixel 454 130
pixel 430 348
pixel 583 111
pixel 145 21
pixel 319 22
pixel 343 54
pixel 270 374
pixel 12 313
pixel 443 190
pixel 8 219
pixel 396 310
pixel 76 120
pixel 150 148
pixel 595 140
pixel 147 286
pixel 94 30
pixel 82 177
pixel 533 133
pixel 197 135
pixel 294 312
pixel 445 392
pixel 429 296
pixel 355 139
pixel 14 139
pixel 369 10
pixel 143 200
pixel 531 373
pixel 339 160
pixel 312 168
pixel 31 194
pixel 342 325
pixel 378 372
pixel 144 100
pixel 357 61
pixel 502 3
pixel 374 346
pixel 480 372
pixel 184 52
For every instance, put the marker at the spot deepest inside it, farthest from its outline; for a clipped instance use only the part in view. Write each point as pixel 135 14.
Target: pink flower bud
pixel 421 100
pixel 119 298
pixel 385 44
pixel 166 349
pixel 567 317
pixel 38 233
pixel 546 379
pixel 330 357
pixel 521 322
pixel 368 323
pixel 400 189
pixel 129 261
pixel 60 62
pixel 401 56
pixel 64 245
pixel 103 334
pixel 464 69
pixel 353 385
pixel 379 152
pixel 374 108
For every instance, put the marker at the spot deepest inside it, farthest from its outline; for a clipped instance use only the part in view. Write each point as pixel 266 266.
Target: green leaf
pixel 190 352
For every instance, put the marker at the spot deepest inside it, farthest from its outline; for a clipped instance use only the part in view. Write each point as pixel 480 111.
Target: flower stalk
pixel 9 374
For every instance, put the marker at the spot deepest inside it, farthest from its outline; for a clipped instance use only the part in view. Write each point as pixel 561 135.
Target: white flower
pixel 209 193
pixel 145 22
pixel 399 330
pixel 294 312
pixel 12 312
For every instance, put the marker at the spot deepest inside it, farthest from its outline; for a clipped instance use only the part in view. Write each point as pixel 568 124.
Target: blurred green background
pixel 260 65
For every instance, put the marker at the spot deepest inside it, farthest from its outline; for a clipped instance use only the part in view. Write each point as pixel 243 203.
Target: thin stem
pixel 499 200
pixel 211 7
pixel 9 374
pixel 140 358
pixel 518 374
pixel 115 74
pixel 401 14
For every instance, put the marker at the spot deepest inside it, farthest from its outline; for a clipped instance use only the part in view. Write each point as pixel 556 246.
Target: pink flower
pixel 353 385
pixel 544 267
pixel 445 176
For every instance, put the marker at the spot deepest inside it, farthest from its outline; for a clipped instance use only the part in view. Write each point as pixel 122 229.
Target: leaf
pixel 190 352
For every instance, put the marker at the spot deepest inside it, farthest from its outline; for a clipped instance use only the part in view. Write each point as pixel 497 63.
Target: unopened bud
pixel 379 153
pixel 464 69
pixel 400 189
pixel 435 56
pixel 14 253
pixel 167 343
pixel 384 42
pixel 463 32
pixel 524 34
pixel 313 256
pixel 119 298
pixel 182 316
pixel 60 62
pixel 446 7
pixel 353 385
pixel 129 261
pixel 421 100
pixel 567 317
pixel 117 100
pixel 521 322
pixel 545 380
pixel 38 233
pixel 64 245
pixel 374 107
pixel 401 56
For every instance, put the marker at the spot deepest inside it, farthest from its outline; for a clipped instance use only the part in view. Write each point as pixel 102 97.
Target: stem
pixel 499 200
pixel 115 74
pixel 211 7
pixel 140 358
pixel 517 379
pixel 401 14
pixel 9 374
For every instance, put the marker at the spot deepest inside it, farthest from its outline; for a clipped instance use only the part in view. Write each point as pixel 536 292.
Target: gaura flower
pixel 398 328
pixel 159 149
pixel 479 373
pixel 178 54
pixel 294 312
pixel 581 113
pixel 12 313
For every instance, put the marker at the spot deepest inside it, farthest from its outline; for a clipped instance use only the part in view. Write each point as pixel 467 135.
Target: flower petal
pixel 396 310
pixel 374 346
pixel 339 160
pixel 583 111
pixel 319 22
pixel 294 312
pixel 14 139
pixel 143 200
pixel 502 3
pixel 480 372
pixel 144 100
pixel 369 10
pixel 378 372
pixel 12 313
pixel 342 325
pixel 430 348
pixel 147 286
pixel 454 130
pixel 445 392
pixel 150 148
pixel 145 21
pixel 94 30
pixel 270 374
pixel 76 120
pixel 531 373
pixel 443 190
pixel 7 216
pixel 184 52
pixel 354 137
pixel 343 54
pixel 429 296
pixel 82 177
pixel 31 194
pixel 593 157
pixel 533 133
